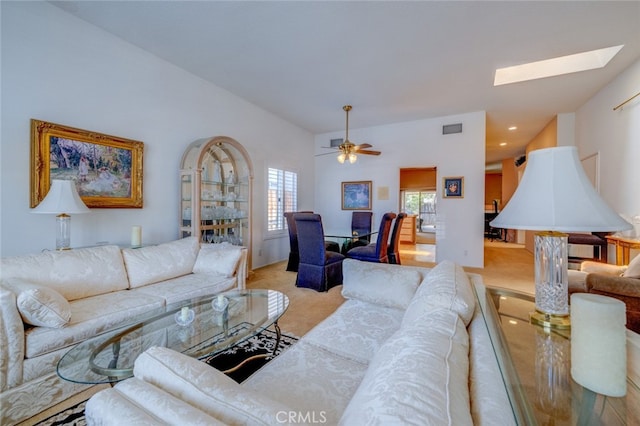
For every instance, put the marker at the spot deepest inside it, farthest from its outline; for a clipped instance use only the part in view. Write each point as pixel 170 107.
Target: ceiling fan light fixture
pixel 341 158
pixel 352 158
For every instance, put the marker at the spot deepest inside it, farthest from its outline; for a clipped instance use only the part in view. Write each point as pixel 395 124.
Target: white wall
pixel 616 136
pixel 60 69
pixel 460 222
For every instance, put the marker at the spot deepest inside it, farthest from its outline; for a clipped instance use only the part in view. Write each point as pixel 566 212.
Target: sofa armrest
pixel 621 288
pixel 613 284
pixel 11 341
pixel 601 268
pixel 241 272
pixel 205 388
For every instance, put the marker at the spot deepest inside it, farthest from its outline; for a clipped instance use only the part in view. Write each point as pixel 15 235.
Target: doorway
pixel 418 199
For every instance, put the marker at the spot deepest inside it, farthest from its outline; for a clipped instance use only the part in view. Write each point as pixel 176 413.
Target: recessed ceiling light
pixel 503 144
pixel 513 128
pixel 557 66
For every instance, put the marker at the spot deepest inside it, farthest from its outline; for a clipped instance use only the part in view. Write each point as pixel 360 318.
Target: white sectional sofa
pixel 52 300
pixel 409 346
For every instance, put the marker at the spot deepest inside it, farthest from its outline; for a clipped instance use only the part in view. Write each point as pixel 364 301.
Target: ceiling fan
pixel 348 149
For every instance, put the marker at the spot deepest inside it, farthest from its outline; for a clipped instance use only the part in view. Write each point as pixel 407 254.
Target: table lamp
pixel 61 200
pixel 555 196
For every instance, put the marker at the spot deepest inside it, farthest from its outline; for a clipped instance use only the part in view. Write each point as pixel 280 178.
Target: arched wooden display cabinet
pixel 216 177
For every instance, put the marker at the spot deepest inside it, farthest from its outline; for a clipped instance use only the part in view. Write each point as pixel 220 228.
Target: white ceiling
pixel 393 61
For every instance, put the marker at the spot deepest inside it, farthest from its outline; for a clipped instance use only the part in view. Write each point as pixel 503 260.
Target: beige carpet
pixel 504 267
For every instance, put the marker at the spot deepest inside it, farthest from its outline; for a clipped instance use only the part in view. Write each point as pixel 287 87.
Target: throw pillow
pixel 379 283
pixel 633 270
pixel 212 259
pixel 39 305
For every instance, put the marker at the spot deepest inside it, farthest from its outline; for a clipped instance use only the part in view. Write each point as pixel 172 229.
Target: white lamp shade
pixel 61 198
pixel 555 194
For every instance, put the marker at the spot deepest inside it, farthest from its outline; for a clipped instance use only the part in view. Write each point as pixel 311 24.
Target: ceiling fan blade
pixel 326 153
pixel 368 152
pixel 363 145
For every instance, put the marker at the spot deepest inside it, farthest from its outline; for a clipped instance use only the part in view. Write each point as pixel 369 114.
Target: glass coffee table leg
pixel 278 337
pixel 115 349
pixel 267 355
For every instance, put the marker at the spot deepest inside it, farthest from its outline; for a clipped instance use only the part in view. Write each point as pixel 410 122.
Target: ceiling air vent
pixel 336 143
pixel 449 129
pixel 520 160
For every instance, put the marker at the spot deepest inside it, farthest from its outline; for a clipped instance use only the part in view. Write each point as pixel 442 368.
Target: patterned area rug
pixel 263 343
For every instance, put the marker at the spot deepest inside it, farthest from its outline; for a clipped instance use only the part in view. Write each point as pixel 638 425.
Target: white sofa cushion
pixel 151 264
pixel 89 317
pixel 205 388
pixel 379 283
pixel 356 330
pixel 311 380
pixel 419 376
pixel 218 259
pixel 40 305
pixel 187 287
pixel 75 274
pixel 447 286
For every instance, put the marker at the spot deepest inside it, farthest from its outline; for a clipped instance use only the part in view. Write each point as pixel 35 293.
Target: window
pixel 282 196
pixel 423 204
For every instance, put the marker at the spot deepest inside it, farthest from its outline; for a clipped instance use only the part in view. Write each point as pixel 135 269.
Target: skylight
pixel 557 66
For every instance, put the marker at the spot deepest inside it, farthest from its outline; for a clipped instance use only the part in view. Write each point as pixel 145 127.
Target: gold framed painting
pixel 356 195
pixel 107 170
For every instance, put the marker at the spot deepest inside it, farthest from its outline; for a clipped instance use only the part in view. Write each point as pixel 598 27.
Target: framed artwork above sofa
pixel 107 170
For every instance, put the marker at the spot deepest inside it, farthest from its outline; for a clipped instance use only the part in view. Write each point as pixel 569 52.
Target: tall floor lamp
pixel 555 196
pixel 61 200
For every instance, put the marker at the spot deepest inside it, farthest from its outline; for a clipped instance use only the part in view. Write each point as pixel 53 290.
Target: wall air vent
pixel 449 129
pixel 336 143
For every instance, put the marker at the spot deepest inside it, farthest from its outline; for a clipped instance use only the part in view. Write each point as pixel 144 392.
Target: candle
pixel 184 314
pixel 136 236
pixel 598 343
pixel 220 300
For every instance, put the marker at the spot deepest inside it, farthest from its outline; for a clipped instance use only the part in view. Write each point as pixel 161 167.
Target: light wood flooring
pixel 506 265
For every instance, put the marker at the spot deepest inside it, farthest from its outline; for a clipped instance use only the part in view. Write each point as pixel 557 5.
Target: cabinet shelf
pixel 216 178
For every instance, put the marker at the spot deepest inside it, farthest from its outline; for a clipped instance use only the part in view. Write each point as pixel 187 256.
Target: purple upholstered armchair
pixel 393 252
pixel 375 252
pixel 318 269
pixel 294 254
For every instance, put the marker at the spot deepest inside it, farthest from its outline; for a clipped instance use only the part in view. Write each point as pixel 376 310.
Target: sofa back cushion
pixel 380 283
pixel 446 287
pixel 419 376
pixel 151 264
pixel 219 259
pixel 75 274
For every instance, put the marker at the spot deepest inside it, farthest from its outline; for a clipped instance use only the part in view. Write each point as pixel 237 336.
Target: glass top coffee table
pixel 196 327
pixel 536 368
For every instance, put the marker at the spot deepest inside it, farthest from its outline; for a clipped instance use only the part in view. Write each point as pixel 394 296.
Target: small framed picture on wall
pixel 453 187
pixel 356 195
